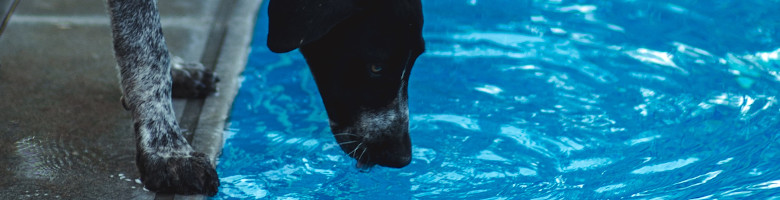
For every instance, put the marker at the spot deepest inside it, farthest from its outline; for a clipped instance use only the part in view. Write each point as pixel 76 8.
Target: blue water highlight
pixel 556 99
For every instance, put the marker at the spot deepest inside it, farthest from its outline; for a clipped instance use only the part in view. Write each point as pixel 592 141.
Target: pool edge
pixel 231 61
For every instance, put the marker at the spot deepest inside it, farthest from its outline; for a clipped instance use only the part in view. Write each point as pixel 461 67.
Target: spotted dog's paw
pixel 192 80
pixel 180 174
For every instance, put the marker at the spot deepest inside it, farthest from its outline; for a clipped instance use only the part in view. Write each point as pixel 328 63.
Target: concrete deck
pixel 64 133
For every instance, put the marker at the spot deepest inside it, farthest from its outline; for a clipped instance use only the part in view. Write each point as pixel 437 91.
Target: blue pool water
pixel 554 99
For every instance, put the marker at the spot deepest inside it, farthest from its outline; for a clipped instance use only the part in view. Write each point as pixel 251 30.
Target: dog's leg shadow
pixel 192 79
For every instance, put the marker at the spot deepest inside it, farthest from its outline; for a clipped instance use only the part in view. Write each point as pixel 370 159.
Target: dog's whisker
pixel 346 133
pixel 361 154
pixel 347 142
pixel 352 153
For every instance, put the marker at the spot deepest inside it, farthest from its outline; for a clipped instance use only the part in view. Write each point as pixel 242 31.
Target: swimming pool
pixel 539 99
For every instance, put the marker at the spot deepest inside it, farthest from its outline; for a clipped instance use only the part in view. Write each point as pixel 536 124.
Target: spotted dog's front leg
pixel 166 161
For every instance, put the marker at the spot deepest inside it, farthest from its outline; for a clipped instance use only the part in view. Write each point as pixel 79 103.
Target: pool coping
pixel 236 27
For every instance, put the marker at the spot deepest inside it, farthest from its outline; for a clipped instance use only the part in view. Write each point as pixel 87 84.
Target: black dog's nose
pixel 391 151
pixel 395 161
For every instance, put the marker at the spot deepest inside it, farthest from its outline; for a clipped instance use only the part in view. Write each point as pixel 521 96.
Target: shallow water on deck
pixel 540 99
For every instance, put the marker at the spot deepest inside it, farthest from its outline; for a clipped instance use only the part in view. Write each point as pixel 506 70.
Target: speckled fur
pixel 165 159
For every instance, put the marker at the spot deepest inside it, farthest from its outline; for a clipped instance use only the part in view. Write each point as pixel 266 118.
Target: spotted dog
pixel 360 54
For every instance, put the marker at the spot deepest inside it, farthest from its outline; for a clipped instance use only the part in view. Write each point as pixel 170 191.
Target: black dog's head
pixel 361 54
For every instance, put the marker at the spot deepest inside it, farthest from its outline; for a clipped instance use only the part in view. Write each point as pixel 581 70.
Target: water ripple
pixel 667 166
pixel 463 122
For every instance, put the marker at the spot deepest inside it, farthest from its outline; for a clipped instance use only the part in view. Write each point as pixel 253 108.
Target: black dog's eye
pixel 376 69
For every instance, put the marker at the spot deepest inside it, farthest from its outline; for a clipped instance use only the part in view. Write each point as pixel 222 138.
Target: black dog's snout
pixel 395 160
pixel 391 150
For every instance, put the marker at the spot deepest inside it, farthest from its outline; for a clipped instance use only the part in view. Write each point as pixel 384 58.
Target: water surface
pixel 540 99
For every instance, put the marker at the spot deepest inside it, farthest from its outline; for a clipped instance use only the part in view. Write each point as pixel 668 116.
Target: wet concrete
pixel 64 133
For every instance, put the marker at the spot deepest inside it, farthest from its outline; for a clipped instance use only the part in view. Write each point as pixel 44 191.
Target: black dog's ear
pixel 294 23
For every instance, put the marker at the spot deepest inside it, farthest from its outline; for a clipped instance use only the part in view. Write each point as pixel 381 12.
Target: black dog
pixel 360 53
